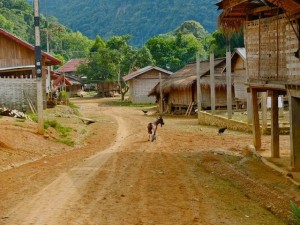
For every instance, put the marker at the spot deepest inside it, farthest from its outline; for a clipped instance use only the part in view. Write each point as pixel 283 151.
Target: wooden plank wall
pixel 181 97
pixel 14 54
pixel 271 43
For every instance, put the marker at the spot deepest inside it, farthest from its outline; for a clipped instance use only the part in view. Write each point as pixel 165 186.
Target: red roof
pixel 70 66
pixel 61 79
pixel 49 59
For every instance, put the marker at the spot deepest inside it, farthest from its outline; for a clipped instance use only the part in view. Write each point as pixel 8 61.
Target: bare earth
pixel 114 176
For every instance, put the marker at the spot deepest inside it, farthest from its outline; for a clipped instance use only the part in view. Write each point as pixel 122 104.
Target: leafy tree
pixel 114 60
pixel 76 45
pixel 161 49
pixel 219 43
pixel 6 24
pixel 192 27
pixel 98 44
pixel 125 57
pixel 174 52
pixel 143 19
pixel 142 58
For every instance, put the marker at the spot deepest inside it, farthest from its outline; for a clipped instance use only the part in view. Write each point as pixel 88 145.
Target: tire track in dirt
pixel 110 196
pixel 47 205
pixel 140 184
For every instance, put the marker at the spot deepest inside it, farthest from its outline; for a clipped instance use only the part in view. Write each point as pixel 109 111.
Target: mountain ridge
pixel 143 19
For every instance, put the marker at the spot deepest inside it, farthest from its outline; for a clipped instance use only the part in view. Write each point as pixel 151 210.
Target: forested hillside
pixel 142 19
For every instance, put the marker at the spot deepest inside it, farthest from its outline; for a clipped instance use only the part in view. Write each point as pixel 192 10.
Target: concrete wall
pixel 12 92
pixel 214 120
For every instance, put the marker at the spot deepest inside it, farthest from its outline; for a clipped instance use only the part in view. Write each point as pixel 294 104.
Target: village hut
pixel 238 62
pixel 69 72
pixel 272 40
pixel 108 88
pixel 180 89
pixel 70 68
pixel 17 60
pixel 141 81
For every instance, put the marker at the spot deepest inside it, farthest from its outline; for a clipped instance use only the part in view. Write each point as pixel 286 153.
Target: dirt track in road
pixel 119 178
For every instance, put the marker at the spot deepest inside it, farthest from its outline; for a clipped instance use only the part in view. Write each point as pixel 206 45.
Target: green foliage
pixel 295 211
pixel 174 52
pixel 218 43
pixel 50 123
pixel 16 17
pixel 142 19
pixel 98 44
pixel 192 27
pixel 114 59
pixel 6 24
pixel 63 131
pixel 129 104
pixel 33 117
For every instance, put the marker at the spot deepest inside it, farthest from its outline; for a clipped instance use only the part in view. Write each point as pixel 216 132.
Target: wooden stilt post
pixel 249 108
pixel 294 108
pixel 161 97
pixel 212 84
pixel 256 126
pixel 264 122
pixel 198 84
pixel 274 126
pixel 228 84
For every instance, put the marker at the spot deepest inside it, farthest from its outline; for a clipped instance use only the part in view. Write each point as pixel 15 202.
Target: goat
pixel 152 127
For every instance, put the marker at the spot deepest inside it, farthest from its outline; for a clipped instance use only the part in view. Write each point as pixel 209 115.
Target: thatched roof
pixel 185 77
pixel 235 12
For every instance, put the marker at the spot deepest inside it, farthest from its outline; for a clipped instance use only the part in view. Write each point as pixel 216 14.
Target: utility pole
pixel 38 67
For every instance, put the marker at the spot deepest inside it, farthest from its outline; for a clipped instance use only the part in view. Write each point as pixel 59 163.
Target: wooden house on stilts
pixel 180 89
pixel 17 72
pixel 272 40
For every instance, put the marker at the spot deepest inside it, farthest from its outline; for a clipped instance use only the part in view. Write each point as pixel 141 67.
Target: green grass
pixel 67 141
pixel 129 104
pixel 33 117
pixel 75 108
pixel 64 132
pixel 20 120
pixel 295 211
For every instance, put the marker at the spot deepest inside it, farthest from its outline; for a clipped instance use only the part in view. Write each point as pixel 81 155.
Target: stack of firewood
pixel 12 113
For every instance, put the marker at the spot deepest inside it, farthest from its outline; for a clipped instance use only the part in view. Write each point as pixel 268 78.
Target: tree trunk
pixel 122 96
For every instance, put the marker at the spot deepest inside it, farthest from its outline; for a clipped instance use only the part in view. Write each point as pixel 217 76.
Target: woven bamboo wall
pixel 12 92
pixel 271 43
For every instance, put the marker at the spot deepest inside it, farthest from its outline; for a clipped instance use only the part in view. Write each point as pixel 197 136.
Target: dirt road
pixel 117 177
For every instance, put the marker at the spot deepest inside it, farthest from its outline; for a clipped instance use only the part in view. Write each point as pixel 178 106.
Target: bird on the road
pixel 145 111
pixel 222 130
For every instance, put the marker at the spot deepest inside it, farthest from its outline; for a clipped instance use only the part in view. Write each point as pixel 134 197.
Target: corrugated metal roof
pixel 241 52
pixel 144 70
pixel 17 68
pixel 70 66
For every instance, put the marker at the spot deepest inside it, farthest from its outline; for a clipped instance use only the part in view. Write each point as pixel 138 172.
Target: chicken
pixel 222 130
pixel 145 111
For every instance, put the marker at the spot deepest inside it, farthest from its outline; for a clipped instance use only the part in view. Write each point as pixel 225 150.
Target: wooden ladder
pixel 189 109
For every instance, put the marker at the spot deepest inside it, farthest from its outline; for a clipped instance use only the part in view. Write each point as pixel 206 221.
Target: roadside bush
pixel 63 131
pixel 295 218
